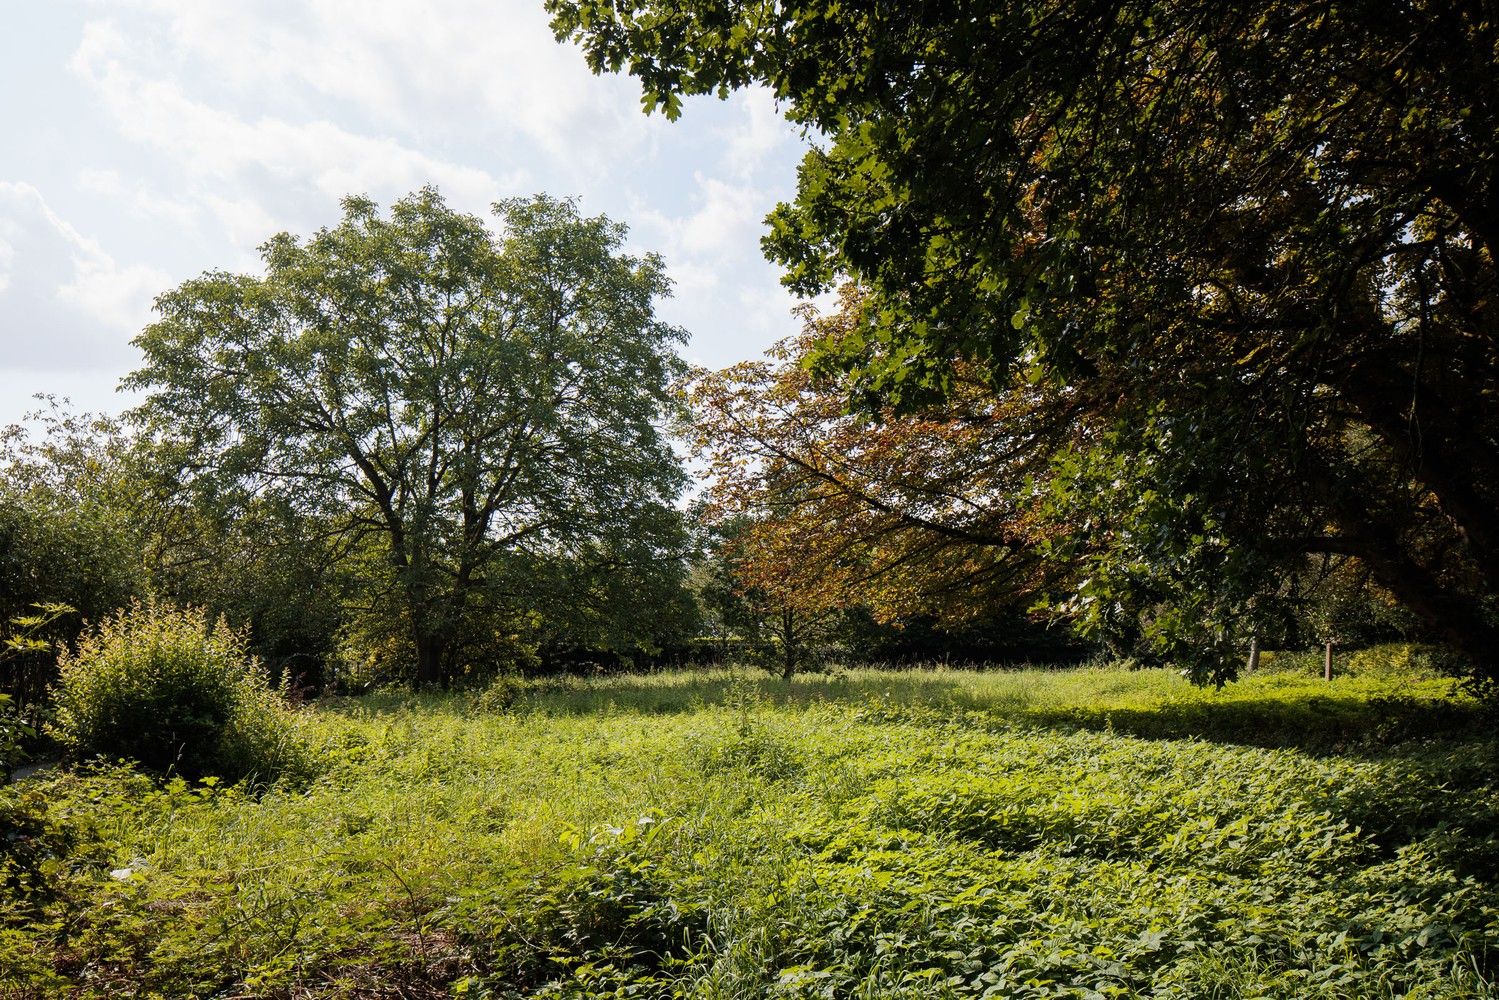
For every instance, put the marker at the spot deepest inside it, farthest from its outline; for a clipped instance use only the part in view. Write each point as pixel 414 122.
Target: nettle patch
pixel 756 849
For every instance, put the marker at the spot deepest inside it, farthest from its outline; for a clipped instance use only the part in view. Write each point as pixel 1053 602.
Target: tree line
pixel 1164 329
pixel 418 448
pixel 1218 283
pixel 399 444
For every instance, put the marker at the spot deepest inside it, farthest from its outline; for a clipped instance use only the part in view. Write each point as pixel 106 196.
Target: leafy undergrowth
pixel 874 835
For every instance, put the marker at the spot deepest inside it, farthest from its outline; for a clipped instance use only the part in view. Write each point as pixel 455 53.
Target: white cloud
pixel 110 294
pixel 245 222
pixel 725 218
pixel 270 156
pixel 189 132
pixel 483 68
pixel 7 261
pixel 66 304
pixel 723 284
pixel 757 134
pixel 728 219
pixel 137 200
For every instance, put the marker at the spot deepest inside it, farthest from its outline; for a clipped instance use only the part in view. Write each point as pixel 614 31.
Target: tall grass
pixel 877 833
pixel 1273 708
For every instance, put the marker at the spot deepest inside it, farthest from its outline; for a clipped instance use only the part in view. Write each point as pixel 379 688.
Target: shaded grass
pixel 1269 710
pixel 927 833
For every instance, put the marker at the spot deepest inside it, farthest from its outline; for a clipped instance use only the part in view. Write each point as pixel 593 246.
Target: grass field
pixel 1088 833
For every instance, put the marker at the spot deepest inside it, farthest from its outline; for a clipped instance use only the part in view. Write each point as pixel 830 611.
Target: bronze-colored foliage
pixel 933 512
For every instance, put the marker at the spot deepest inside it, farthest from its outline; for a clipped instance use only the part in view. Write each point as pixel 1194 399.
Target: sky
pixel 143 142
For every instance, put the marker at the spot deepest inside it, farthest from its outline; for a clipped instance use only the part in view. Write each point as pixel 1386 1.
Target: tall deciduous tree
pixel 926 513
pixel 467 402
pixel 1260 237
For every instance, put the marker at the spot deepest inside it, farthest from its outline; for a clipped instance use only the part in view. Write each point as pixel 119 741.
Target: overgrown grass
pixel 1276 708
pixel 872 834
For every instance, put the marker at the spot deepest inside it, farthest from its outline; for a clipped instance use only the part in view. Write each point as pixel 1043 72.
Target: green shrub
pixel 13 735
pixel 176 693
pixel 1394 660
pixel 500 694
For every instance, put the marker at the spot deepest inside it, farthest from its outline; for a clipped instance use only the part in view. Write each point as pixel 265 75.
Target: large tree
pixel 465 405
pixel 1259 238
pixel 935 513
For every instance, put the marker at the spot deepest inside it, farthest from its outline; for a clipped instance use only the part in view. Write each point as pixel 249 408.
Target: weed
pixel 934 833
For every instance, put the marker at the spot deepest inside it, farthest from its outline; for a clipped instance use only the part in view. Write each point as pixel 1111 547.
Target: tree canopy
pixel 933 513
pixel 1257 243
pixel 465 408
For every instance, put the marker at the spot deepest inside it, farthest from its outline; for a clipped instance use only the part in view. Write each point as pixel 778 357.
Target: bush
pixel 13 734
pixel 176 693
pixel 500 695
pixel 1393 660
pixel 65 533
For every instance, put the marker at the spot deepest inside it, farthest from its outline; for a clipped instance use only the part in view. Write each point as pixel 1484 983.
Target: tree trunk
pixel 788 645
pixel 429 649
pixel 1457 618
pixel 1456 615
pixel 1440 449
pixel 1254 655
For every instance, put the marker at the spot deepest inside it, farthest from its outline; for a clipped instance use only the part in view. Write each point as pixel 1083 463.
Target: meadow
pixel 1085 833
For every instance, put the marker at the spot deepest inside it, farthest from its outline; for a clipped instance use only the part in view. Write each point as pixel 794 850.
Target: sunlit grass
pixel 727 834
pixel 1269 709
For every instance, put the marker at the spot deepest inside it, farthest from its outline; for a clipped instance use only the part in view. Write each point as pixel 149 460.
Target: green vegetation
pixel 1167 332
pixel 23 639
pixel 177 694
pixel 866 833
pixel 461 422
pixel 1224 272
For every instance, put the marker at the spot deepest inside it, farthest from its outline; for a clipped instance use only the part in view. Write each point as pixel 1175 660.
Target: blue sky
pixel 149 140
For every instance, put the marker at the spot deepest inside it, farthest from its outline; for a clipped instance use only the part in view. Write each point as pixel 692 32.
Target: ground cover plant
pixel 725 834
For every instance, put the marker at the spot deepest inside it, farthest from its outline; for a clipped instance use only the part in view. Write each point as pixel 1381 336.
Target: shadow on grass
pixel 1149 705
pixel 1316 724
pixel 1336 721
pixel 656 695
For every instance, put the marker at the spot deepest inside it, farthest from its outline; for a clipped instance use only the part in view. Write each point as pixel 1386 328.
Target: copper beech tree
pixel 934 513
